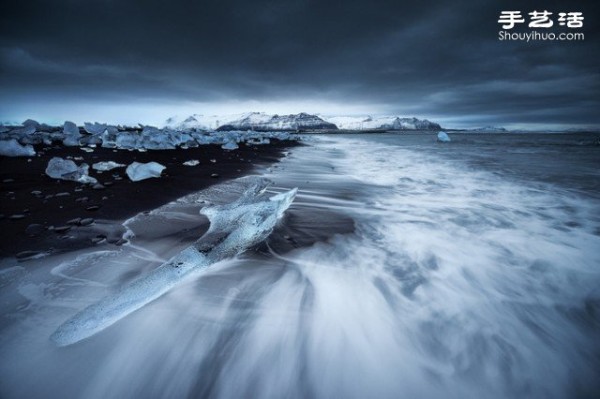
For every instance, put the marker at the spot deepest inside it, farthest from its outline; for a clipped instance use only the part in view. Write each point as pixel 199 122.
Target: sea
pixel 404 268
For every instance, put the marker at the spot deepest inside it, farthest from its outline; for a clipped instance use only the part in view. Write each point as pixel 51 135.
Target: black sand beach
pixel 40 214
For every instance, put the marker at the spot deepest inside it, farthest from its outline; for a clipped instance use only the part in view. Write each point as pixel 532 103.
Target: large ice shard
pixel 443 137
pixel 12 148
pixel 233 228
pixel 137 171
pixel 66 169
pixel 95 128
pixel 71 133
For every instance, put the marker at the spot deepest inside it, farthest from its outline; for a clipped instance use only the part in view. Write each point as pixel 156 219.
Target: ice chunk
pixel 70 129
pixel 23 132
pixel 233 228
pixel 12 148
pixel 65 169
pixel 443 137
pixel 31 122
pixel 230 145
pixel 140 171
pixel 71 141
pixel 107 165
pixel 94 128
pixel 191 162
pixel 258 141
pixel 72 135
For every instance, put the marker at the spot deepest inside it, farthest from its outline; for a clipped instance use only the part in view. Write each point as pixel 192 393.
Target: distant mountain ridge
pixel 264 122
pixel 259 121
pixel 383 123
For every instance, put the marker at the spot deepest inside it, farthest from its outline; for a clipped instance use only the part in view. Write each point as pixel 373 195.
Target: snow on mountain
pixel 259 121
pixel 382 123
pixel 199 121
pixel 256 121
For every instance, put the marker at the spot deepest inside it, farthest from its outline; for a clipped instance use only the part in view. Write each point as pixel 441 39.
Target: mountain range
pixel 259 121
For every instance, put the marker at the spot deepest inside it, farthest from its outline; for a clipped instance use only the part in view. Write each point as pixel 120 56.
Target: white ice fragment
pixel 65 169
pixel 140 171
pixel 443 137
pixel 191 162
pixel 12 148
pixel 230 145
pixel 107 165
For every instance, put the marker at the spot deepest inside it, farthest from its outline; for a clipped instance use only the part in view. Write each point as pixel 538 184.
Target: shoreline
pixel 66 215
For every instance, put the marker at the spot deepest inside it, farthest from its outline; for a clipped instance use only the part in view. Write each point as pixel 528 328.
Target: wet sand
pixel 67 215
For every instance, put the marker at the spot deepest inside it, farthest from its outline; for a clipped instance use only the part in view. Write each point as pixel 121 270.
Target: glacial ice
pixel 95 128
pixel 139 138
pixel 31 123
pixel 72 135
pixel 22 132
pixel 443 137
pixel 230 145
pixel 140 171
pixel 191 162
pixel 70 129
pixel 233 228
pixel 12 148
pixel 66 169
pixel 107 165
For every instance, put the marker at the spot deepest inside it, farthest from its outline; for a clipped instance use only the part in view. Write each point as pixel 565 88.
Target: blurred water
pixel 405 268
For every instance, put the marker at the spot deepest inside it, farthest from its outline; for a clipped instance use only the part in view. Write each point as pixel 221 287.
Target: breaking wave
pixel 395 273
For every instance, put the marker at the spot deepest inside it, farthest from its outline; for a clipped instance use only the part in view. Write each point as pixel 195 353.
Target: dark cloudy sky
pixel 128 61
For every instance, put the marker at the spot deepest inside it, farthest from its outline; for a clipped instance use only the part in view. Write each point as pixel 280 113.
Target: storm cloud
pixel 150 58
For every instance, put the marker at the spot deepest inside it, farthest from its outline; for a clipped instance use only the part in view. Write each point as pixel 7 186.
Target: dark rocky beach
pixel 40 215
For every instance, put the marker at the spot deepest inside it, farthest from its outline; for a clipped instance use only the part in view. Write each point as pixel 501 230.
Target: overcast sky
pixel 143 61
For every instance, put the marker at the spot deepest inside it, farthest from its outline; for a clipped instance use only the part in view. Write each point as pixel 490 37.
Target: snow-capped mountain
pixel 199 121
pixel 257 121
pixel 260 121
pixel 264 122
pixel 382 123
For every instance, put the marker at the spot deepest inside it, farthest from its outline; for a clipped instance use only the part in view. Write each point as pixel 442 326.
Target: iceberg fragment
pixel 95 128
pixel 70 129
pixel 72 135
pixel 140 171
pixel 107 165
pixel 443 137
pixel 12 148
pixel 66 169
pixel 233 228
pixel 22 132
pixel 230 145
pixel 31 122
pixel 191 162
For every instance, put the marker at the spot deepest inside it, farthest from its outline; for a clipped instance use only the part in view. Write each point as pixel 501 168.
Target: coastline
pixel 51 204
